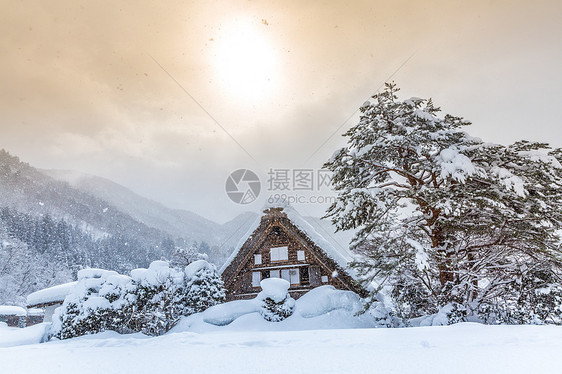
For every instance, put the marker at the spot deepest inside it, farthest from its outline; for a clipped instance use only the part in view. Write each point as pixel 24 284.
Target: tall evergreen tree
pixel 443 217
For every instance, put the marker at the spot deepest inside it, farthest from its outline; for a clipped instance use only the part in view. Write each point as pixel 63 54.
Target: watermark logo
pixel 298 179
pixel 292 186
pixel 243 186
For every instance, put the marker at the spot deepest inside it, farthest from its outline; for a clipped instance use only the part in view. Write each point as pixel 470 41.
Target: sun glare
pixel 245 60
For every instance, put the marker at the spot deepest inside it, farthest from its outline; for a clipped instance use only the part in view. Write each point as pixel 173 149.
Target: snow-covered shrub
pixel 410 299
pixel 535 298
pixel 150 301
pixel 541 297
pixel 204 287
pixel 447 315
pixel 384 316
pixel 381 309
pixel 96 303
pixel 159 298
pixel 277 304
pixel 454 312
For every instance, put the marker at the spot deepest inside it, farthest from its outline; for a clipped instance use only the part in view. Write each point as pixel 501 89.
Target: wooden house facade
pixel 279 248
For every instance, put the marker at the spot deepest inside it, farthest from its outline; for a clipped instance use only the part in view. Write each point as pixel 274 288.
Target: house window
pixel 274 274
pixel 304 275
pixel 294 275
pixel 256 278
pixel 300 256
pixel 324 279
pixel 279 254
pixel 291 275
pixel 257 259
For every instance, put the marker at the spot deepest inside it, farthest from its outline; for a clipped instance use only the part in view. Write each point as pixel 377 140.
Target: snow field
pixel 462 348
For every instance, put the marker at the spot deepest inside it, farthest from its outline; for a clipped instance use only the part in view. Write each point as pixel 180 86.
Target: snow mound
pixel 138 274
pixel 196 266
pixel 95 273
pixel 324 299
pixel 224 314
pixel 12 336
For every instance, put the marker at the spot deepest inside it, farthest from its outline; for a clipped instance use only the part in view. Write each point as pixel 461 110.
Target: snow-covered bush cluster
pixel 149 300
pixel 447 225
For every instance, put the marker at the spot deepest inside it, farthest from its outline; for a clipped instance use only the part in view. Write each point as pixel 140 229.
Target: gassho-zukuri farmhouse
pixel 282 244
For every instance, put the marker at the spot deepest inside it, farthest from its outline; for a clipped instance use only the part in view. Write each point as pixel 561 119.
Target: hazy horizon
pixel 168 99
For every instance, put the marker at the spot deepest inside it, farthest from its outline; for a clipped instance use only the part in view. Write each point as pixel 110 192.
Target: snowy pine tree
pixel 443 218
pixel 159 296
pixel 204 287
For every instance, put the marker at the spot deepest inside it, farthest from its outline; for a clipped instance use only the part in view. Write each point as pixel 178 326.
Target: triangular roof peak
pixel 275 212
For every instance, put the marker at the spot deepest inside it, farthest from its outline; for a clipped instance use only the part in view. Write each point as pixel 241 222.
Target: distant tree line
pixel 70 246
pixel 40 251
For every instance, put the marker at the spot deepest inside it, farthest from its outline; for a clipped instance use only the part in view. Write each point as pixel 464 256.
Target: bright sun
pixel 245 61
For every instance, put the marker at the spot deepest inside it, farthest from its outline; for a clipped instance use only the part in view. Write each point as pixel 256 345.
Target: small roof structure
pixel 49 296
pixel 12 310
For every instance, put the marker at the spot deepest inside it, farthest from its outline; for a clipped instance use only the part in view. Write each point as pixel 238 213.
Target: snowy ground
pixel 324 335
pixel 463 348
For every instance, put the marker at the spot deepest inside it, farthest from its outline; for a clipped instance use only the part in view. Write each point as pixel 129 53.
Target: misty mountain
pixel 25 189
pixel 181 225
pixel 105 209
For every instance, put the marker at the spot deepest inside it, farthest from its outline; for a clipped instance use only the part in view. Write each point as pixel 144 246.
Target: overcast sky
pixel 147 93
